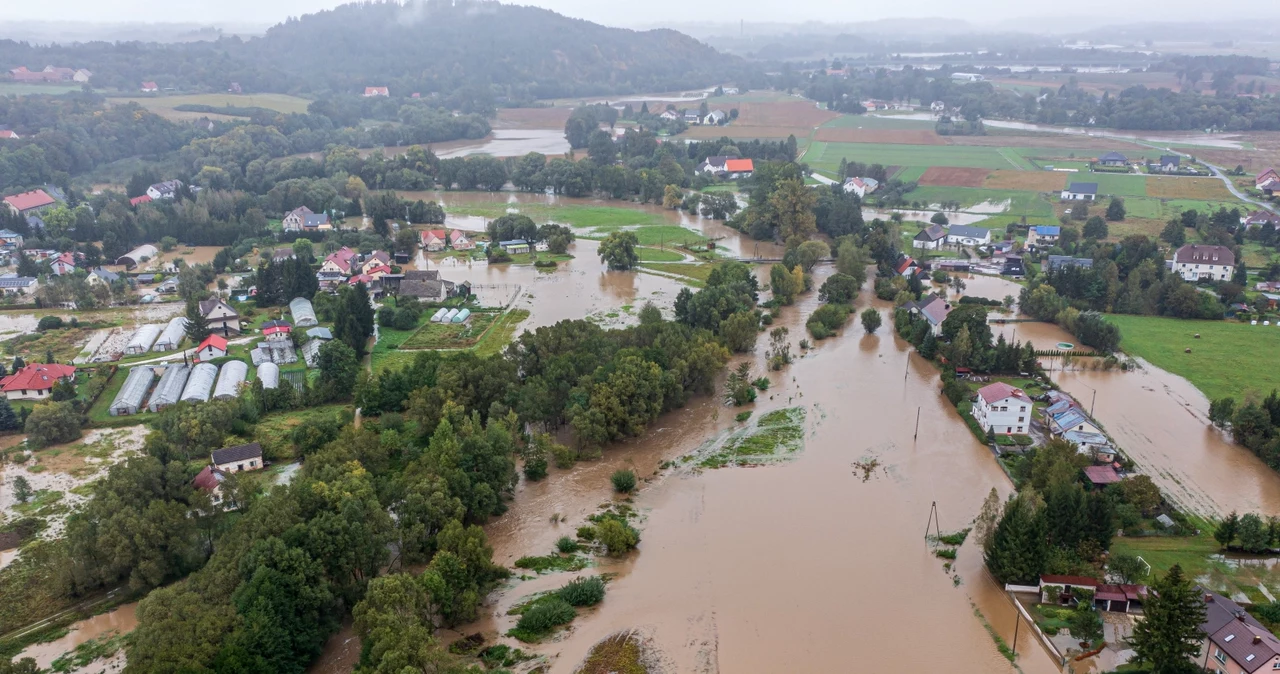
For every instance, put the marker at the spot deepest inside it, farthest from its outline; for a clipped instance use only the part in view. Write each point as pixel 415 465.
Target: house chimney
pixel 1208 599
pixel 1257 639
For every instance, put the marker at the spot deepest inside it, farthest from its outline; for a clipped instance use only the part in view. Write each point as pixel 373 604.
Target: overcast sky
pixel 632 14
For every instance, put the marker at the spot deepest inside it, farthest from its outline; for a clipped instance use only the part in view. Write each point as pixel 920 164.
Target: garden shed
pixel 200 383
pixel 143 339
pixel 129 399
pixel 169 390
pixel 303 314
pixel 230 378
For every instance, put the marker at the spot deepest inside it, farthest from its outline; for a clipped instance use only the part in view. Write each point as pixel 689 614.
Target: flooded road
pixel 117 621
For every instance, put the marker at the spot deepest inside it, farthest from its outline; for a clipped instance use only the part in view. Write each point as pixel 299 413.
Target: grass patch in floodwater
pixel 1000 643
pixel 553 562
pixel 780 432
pixel 85 653
pixel 647 254
pixel 618 654
pixel 697 272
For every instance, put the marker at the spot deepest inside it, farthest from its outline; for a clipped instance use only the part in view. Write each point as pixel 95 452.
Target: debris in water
pixel 868 467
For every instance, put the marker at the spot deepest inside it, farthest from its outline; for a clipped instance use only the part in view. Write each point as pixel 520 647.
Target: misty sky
pixel 648 13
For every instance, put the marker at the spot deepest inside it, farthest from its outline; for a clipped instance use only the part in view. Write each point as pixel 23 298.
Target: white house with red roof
pixel 29 203
pixel 63 264
pixel 1002 408
pixel 376 91
pixel 458 240
pixel 149 87
pixel 9 135
pixel 277 331
pixel 739 168
pixel 35 381
pixel 374 260
pixel 433 239
pixel 339 261
pixel 213 346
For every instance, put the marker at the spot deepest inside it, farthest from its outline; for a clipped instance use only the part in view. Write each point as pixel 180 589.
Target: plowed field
pixel 1034 181
pixel 951 176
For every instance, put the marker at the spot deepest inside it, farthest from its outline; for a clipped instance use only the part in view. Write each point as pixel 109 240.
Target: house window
pixel 1019 429
pixel 1219 655
pixel 1021 419
pixel 252 464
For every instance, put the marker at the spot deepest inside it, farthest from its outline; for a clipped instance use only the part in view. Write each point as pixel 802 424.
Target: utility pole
pixel 933 521
pixel 917 435
pixel 1093 400
pixel 1017 622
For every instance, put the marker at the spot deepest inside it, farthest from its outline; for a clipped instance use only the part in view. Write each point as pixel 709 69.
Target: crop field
pixel 948 176
pixel 1169 187
pixel 739 132
pixel 879 135
pixel 780 113
pixel 877 122
pixel 1118 184
pixel 532 118
pixel 1033 181
pixel 23 89
pixel 164 105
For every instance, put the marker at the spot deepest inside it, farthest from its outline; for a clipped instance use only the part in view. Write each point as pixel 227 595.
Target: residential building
pixel 1113 159
pixel 906 266
pixel 316 222
pixel 100 276
pixel 1234 641
pixel 515 246
pixel 715 165
pixel 967 77
pixel 149 87
pixel 376 91
pixel 861 186
pixel 277 330
pixel 1001 408
pixel 1198 262
pixel 1013 266
pixel 1101 476
pixel 237 459
pixel 9 134
pixel 933 309
pixel 739 168
pixel 139 200
pixel 669 115
pixel 433 240
pixel 1093 445
pixel 29 203
pixel 1168 163
pixel 18 285
pixel 339 261
pixel 963 235
pixel 1073 419
pixel 63 264
pixel 715 117
pixel 930 238
pixel 165 190
pixel 1259 219
pixel 10 239
pixel 1080 192
pixel 458 240
pixel 35 381
pixel 210 482
pixel 220 316
pixel 692 117
pixel 1043 235
pixel 293 220
pixel 1054 262
pixel 82 76
pixel 213 346
pixel 374 260
pixel 1267 181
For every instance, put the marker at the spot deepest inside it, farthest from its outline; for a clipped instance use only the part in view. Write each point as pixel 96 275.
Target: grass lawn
pixel 161 104
pixel 275 429
pixel 486 333
pixel 658 255
pixel 1162 552
pixel 655 235
pixel 100 413
pixel 1223 362
pixel 450 335
pixel 22 88
pixel 696 272
pixel 1139 207
pixel 1121 184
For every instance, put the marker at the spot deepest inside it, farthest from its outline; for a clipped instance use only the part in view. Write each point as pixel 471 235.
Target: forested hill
pixel 443 46
pixel 471 49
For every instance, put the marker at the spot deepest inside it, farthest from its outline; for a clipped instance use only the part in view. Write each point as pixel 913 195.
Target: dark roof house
pixel 227 455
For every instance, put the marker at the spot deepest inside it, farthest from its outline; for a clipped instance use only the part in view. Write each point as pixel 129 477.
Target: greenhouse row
pixel 143 339
pixel 172 335
pixel 184 383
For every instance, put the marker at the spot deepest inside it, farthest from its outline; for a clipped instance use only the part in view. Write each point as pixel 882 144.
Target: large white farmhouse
pixel 1195 262
pixel 1002 408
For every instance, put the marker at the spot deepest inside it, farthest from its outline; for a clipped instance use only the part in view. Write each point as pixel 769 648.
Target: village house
pixel 339 261
pixel 293 220
pixel 1043 235
pixel 100 276
pixel 1001 408
pixel 669 115
pixel 458 240
pixel 165 190
pixel 715 165
pixel 317 222
pixel 739 168
pixel 424 285
pixel 237 459
pixel 18 285
pixel 1100 477
pixel 1094 445
pixel 35 381
pixel 715 117
pixel 1197 262
pixel 277 331
pixel 1234 641
pixel 1054 262
pixel 213 346
pixel 376 91
pixel 433 240
pixel 63 264
pixel 934 309
pixel 861 186
pixel 930 238
pixel 963 235
pixel 692 117
pixel 149 87
pixel 1268 181
pixel 10 239
pixel 1069 418
pixel 221 317
pixel 1168 163
pixel 210 482
pixel 1080 192
pixel 29 203
pixel 1259 219
pixel 374 260
pixel 1112 159
pixel 9 134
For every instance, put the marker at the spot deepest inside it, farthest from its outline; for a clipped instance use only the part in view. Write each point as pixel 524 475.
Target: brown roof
pixel 999 391
pixel 1249 645
pixel 208 479
pixel 1201 254
pixel 1101 474
pixel 931 233
pixel 432 289
pixel 1219 611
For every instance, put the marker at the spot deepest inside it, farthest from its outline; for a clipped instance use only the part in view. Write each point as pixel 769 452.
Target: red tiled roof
pixel 427 234
pixel 999 391
pixel 380 269
pixel 216 341
pixel 905 264
pixel 207 480
pixel 28 200
pixel 6 133
pixel 36 377
pixel 457 234
pixel 1110 593
pixel 739 165
pixel 140 200
pixel 1102 474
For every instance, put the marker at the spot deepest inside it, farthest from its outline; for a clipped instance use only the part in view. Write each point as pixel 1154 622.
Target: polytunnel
pixel 172 335
pixel 200 383
pixel 169 390
pixel 448 318
pixel 129 399
pixel 229 380
pixel 303 314
pixel 462 316
pixel 439 314
pixel 269 375
pixel 143 339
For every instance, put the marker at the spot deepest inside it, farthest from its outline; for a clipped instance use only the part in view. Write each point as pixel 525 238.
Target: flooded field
pixel 507 143
pixel 117 621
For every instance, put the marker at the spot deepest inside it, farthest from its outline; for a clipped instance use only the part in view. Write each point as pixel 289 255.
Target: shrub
pixel 827 319
pixel 945 553
pixel 742 416
pixel 761 383
pixel 545 616
pixel 49 323
pixel 566 545
pixel 624 481
pixel 618 536
pixel 582 591
pixel 587 533
pixel 535 469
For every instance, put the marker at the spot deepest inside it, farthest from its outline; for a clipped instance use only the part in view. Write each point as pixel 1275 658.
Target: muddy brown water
pixel 117 621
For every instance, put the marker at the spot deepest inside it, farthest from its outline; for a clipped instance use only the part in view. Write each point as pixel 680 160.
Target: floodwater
pixel 1226 141
pixel 507 143
pixel 119 621
pixel 967 216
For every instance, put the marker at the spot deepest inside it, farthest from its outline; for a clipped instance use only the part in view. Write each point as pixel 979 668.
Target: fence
pixel 1026 615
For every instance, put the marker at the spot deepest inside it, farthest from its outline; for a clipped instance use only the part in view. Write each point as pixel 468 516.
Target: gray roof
pixel 172 335
pixel 315 220
pixel 200 383
pixel 421 275
pixel 1112 156
pixel 1083 188
pixel 1170 159
pixel 229 379
pixel 934 308
pixel 970 232
pixel 16 282
pixel 108 276
pixel 170 387
pixel 320 333
pixel 1057 261
pixel 252 450
pixel 931 233
pixel 427 289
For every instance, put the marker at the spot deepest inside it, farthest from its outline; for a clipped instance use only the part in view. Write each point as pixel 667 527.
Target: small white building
pixel 964 235
pixel 1197 262
pixel 1001 408
pixel 237 459
pixel 1080 192
pixel 861 186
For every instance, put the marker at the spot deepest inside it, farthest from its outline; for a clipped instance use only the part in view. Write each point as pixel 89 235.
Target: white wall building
pixel 1002 408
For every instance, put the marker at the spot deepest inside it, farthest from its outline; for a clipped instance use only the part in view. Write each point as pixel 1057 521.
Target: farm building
pixel 462 316
pixel 138 255
pixel 230 378
pixel 200 383
pixel 172 335
pixel 273 352
pixel 269 375
pixel 303 314
pixel 143 339
pixel 311 351
pixel 129 399
pixel 169 390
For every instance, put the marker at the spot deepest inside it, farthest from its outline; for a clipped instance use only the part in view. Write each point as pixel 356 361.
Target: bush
pixel 566 545
pixel 742 416
pixel 945 553
pixel 761 383
pixel 582 591
pixel 535 469
pixel 827 319
pixel 546 616
pixel 49 323
pixel 618 536
pixel 587 533
pixel 624 481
